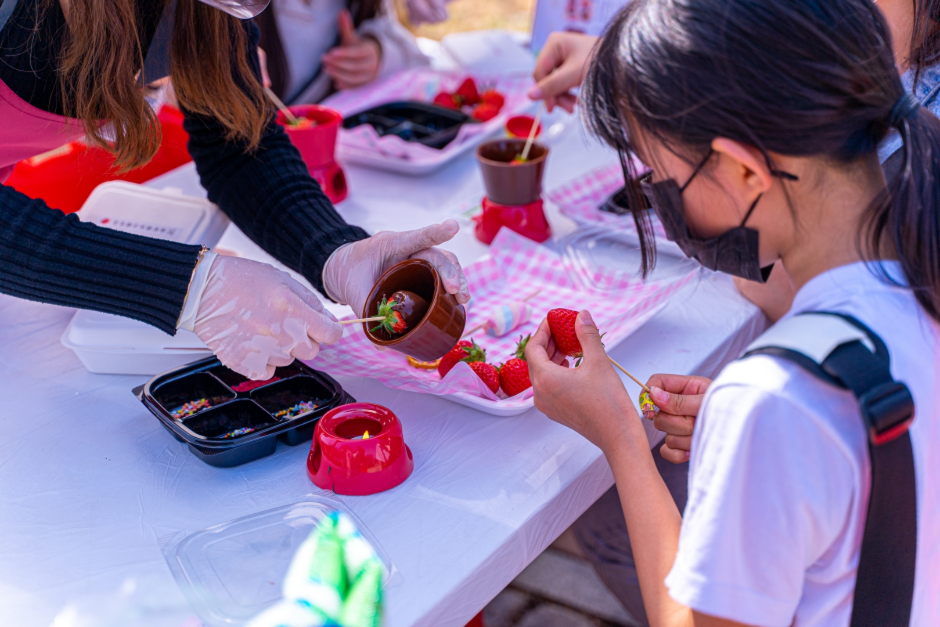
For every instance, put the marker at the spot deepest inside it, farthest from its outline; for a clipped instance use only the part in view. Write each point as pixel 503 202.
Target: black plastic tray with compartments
pixel 418 122
pixel 228 420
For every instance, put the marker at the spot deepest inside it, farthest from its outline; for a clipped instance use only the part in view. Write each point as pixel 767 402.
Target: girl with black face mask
pixel 761 123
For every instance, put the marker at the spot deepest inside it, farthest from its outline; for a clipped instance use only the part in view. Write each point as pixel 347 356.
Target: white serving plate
pixel 504 408
pixel 554 125
pixel 378 161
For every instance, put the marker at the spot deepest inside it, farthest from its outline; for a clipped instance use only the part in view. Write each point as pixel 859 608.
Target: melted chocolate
pixel 412 307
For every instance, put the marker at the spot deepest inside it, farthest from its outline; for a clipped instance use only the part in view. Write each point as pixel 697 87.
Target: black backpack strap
pixel 845 353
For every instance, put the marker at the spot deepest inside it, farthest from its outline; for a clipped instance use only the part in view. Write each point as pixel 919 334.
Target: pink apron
pixel 26 131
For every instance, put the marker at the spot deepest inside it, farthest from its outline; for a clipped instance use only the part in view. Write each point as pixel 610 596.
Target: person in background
pixel 560 69
pixel 915 30
pixel 314 47
pixel 765 117
pixel 73 69
pixel 426 11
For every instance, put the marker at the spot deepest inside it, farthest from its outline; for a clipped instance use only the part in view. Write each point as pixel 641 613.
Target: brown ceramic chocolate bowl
pixel 440 328
pixel 507 183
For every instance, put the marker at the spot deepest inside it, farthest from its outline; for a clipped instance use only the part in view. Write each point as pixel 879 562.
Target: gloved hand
pixel 353 269
pixel 255 317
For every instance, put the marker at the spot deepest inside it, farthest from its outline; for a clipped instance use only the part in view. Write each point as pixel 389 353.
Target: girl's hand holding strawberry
pixel 590 399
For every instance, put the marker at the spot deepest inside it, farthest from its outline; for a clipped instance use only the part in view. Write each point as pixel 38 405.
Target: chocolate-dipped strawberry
pixel 403 311
pixel 411 306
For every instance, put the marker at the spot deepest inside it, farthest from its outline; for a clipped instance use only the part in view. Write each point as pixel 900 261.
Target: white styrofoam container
pixel 109 344
pixel 161 213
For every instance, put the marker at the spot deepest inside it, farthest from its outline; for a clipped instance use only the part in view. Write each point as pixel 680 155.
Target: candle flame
pixel 365 436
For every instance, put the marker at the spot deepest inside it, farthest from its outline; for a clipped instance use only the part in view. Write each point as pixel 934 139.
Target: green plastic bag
pixel 335 579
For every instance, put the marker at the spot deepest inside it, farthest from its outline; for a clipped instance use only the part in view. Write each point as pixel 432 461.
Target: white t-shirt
pixel 780 475
pixel 308 30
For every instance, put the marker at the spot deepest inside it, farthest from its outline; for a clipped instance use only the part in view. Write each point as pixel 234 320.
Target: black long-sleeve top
pixel 50 257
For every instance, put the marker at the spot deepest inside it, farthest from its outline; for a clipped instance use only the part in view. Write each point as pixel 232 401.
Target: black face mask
pixel 733 252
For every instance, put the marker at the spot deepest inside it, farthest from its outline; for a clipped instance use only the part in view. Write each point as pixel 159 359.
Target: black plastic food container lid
pixel 228 420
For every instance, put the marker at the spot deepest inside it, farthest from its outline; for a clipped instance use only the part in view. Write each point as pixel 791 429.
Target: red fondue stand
pixel 513 191
pixel 317 146
pixel 343 461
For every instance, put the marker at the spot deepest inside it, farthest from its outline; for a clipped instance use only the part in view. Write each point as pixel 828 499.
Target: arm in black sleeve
pixel 269 193
pixel 51 257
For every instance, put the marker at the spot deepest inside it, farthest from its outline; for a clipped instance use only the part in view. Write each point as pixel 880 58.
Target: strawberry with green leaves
pixel 465 350
pixel 493 97
pixel 467 92
pixel 447 100
pixel 487 372
pixel 514 374
pixel 484 112
pixel 394 323
pixel 561 323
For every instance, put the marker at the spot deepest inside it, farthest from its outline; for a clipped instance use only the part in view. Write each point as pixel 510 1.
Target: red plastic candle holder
pixel 342 461
pixel 519 127
pixel 527 220
pixel 317 146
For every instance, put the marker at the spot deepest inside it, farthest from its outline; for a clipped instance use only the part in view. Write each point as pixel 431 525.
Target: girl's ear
pixel 744 167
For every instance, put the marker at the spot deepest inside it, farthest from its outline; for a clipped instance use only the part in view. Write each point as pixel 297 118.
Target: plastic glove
pixel 353 269
pixel 255 318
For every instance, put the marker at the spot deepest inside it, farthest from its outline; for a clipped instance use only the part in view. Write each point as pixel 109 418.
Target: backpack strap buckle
pixel 888 409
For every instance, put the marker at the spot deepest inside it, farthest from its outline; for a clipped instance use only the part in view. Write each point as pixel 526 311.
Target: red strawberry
pixel 485 112
pixel 488 373
pixel 464 351
pixel 446 100
pixel 394 323
pixel 467 92
pixel 493 97
pixel 561 322
pixel 514 374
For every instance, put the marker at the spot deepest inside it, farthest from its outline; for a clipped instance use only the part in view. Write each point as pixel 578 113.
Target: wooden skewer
pixel 474 329
pixel 532 132
pixel 624 370
pixel 283 108
pixel 372 319
pixel 483 324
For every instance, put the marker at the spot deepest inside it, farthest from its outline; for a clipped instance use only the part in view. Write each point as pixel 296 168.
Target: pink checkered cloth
pixel 515 268
pixel 423 84
pixel 581 198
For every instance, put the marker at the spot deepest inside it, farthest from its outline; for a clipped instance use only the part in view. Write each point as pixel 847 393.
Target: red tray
pixel 66 176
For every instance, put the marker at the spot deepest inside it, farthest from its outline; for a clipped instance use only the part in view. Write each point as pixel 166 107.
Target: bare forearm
pixel 653 521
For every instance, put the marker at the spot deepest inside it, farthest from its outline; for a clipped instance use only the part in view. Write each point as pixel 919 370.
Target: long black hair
pixel 793 77
pixel 925 38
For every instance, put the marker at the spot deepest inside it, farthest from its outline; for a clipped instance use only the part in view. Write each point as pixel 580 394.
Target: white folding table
pixel 90 482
